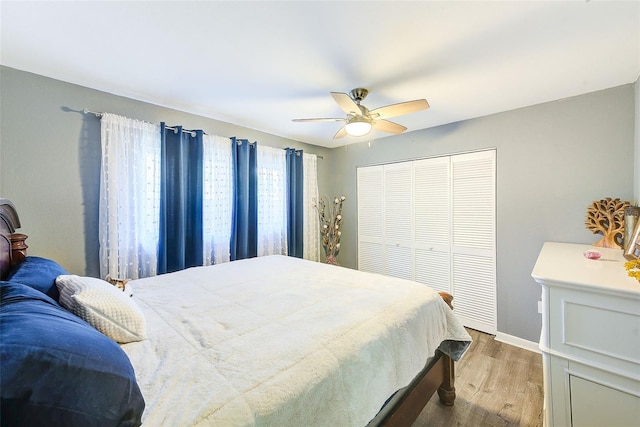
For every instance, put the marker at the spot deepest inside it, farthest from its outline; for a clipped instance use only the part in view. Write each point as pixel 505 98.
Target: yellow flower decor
pixel 633 268
pixel 330 222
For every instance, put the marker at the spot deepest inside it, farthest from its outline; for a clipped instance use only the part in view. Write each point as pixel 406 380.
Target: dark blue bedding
pixel 38 273
pixel 57 370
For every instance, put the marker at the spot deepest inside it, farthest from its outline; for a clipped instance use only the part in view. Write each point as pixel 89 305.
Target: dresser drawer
pixel 599 329
pixel 622 408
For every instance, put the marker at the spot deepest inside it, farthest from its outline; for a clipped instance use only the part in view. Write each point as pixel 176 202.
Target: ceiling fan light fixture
pixel 358 126
pixel 360 120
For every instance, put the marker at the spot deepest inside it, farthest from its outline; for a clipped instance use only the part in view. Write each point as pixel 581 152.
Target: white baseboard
pixel 518 342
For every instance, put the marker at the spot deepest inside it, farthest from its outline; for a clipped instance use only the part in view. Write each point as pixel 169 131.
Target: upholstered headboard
pixel 13 248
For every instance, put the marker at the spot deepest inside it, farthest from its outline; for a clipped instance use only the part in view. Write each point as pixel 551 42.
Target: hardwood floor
pixel 496 385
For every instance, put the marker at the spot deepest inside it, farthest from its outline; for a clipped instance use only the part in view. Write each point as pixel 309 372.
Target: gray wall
pixel 637 137
pixel 50 159
pixel 553 160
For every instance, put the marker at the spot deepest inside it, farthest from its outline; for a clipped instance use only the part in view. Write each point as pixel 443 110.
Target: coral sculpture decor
pixel 606 216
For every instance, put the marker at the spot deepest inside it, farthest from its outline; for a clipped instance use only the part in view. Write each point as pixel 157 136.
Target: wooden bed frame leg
pixel 447 391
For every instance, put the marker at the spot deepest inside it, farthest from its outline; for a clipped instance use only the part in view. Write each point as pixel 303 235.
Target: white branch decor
pixel 330 223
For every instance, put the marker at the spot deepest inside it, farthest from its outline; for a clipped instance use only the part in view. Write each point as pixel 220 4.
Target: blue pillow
pixel 38 273
pixel 57 370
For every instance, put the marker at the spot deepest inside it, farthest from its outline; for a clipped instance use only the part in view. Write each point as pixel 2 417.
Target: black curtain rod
pixel 175 129
pixel 192 132
pixel 317 155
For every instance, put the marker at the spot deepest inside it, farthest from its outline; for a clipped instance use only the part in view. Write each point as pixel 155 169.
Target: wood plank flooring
pixel 496 385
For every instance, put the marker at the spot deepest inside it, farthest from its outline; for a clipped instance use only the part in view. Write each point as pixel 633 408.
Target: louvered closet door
pixel 432 223
pixel 398 220
pixel 473 239
pixel 370 219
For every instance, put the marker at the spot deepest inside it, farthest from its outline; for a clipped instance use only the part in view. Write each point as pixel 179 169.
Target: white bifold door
pixel 433 221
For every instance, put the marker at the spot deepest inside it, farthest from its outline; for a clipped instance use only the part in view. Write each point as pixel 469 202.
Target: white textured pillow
pixel 104 306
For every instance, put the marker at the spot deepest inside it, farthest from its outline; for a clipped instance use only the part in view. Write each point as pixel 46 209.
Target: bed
pixel 266 341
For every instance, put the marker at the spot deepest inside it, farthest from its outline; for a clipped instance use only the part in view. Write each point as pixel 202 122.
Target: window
pixel 272 201
pixel 217 198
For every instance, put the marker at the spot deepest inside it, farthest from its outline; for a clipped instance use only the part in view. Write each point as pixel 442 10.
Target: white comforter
pixel 279 341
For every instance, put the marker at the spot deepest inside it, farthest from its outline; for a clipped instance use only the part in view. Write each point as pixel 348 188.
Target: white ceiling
pixel 261 64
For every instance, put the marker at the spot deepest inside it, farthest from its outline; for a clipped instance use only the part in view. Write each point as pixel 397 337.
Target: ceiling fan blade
pixel 400 109
pixel 347 104
pixel 387 126
pixel 318 120
pixel 341 133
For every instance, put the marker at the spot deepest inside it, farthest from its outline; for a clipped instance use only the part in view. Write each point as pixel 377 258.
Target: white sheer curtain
pixel 272 201
pixel 129 197
pixel 311 227
pixel 217 190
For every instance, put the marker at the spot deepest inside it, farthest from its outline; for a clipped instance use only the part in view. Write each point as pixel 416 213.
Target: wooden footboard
pixel 437 376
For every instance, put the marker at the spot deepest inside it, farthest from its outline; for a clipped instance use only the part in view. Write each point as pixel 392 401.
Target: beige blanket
pixel 279 341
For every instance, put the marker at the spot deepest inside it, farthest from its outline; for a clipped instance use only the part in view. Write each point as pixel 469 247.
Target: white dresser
pixel 590 337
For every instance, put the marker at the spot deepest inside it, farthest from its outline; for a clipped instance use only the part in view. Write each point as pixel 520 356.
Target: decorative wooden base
pixel 18 248
pixel 606 216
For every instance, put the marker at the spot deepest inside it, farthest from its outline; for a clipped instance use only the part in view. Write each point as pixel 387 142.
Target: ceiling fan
pixel 360 120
